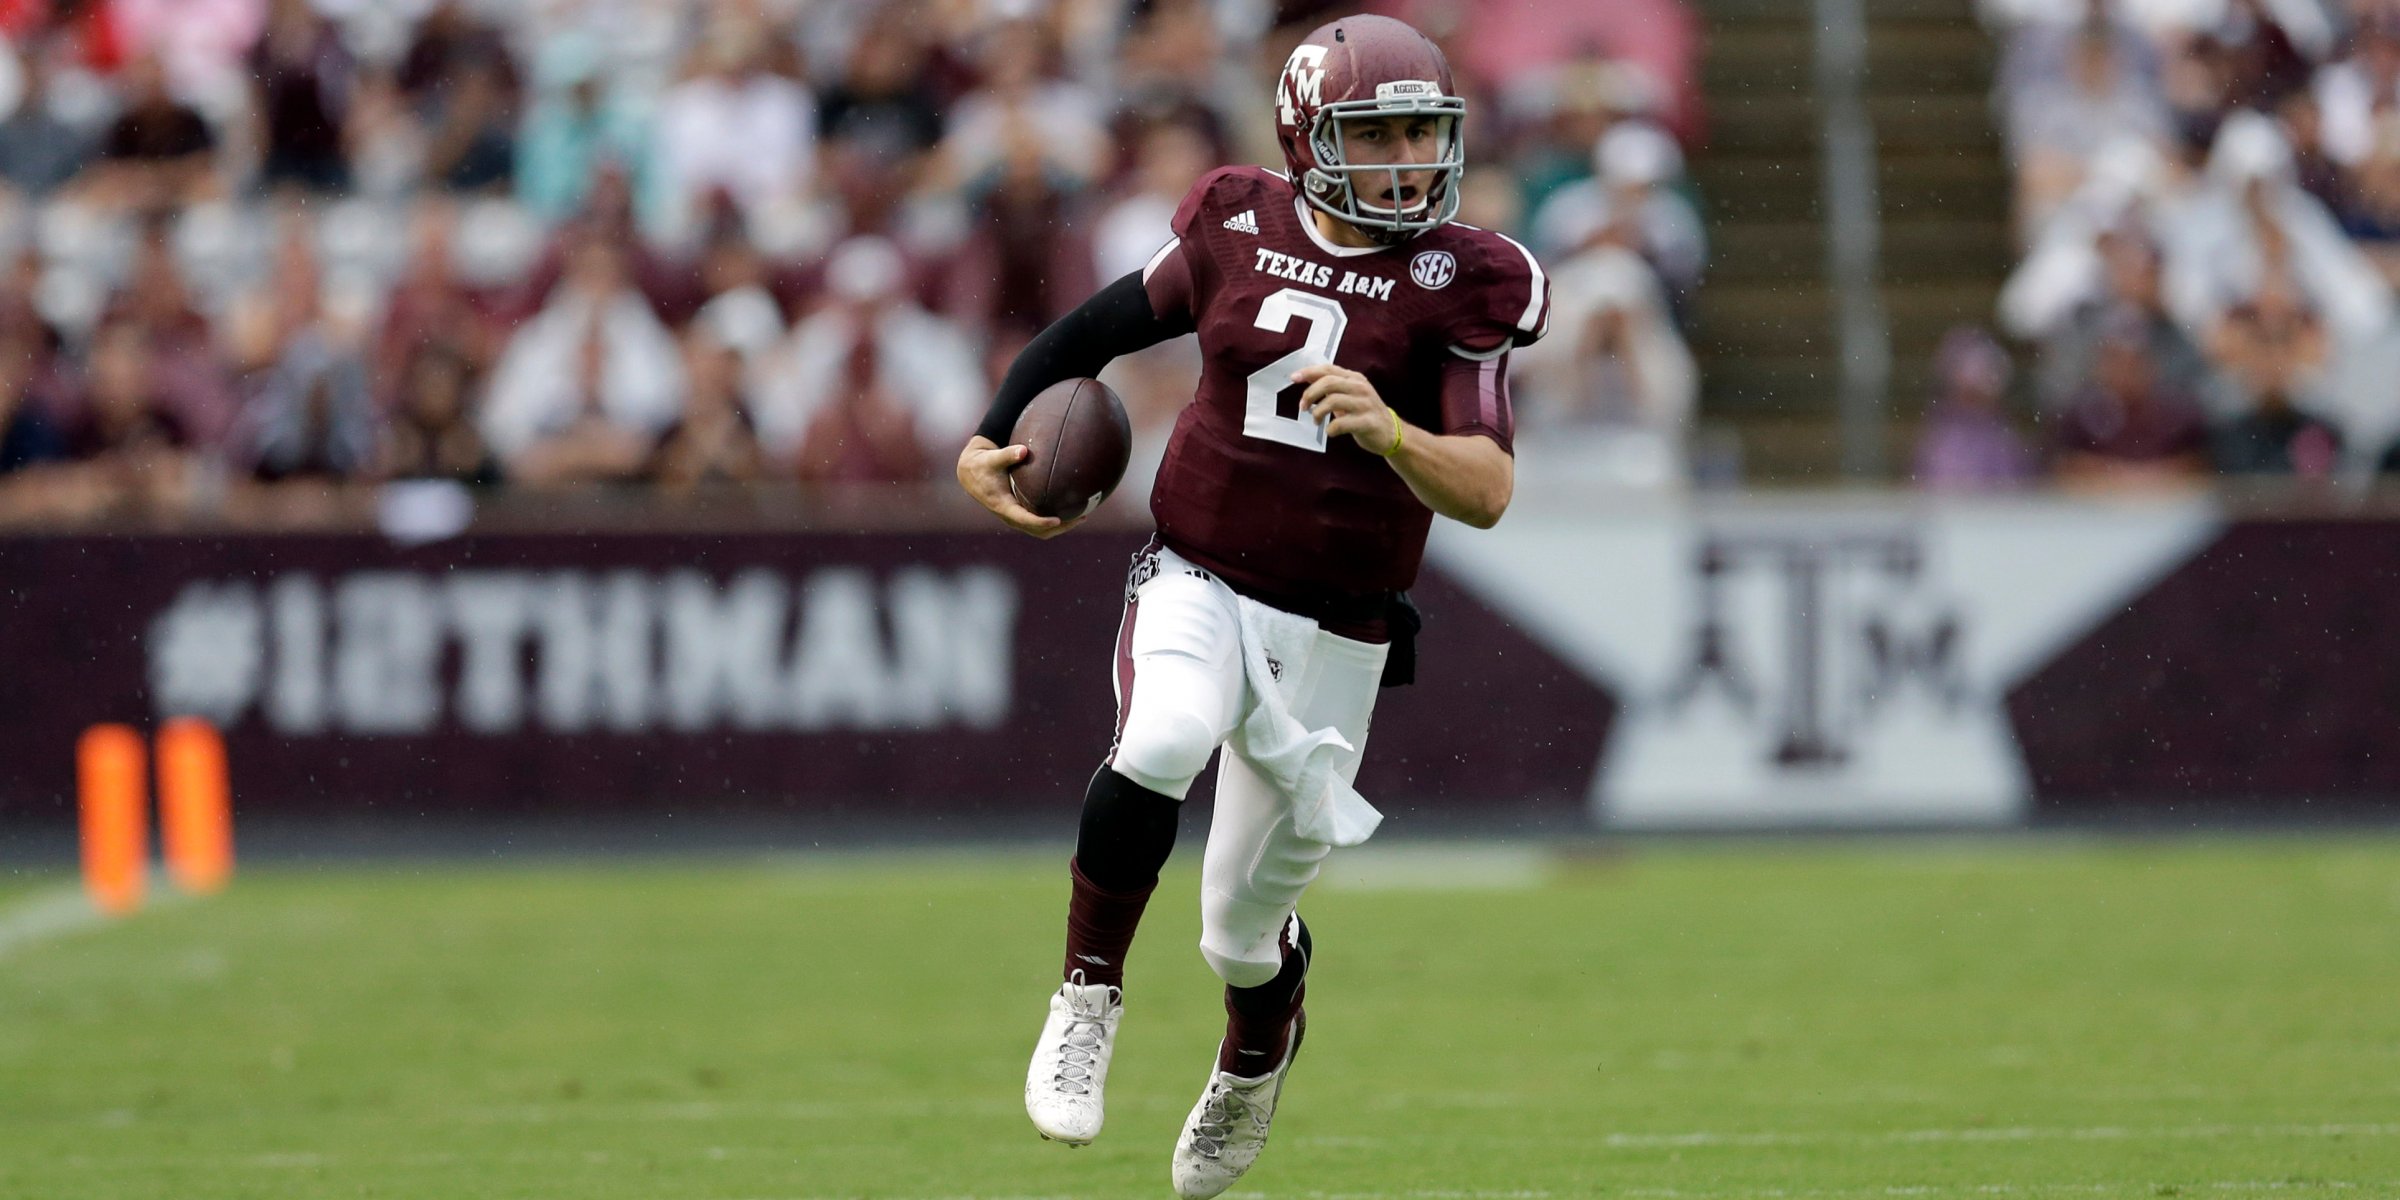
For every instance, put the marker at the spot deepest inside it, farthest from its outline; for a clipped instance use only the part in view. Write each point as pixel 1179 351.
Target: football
pixel 1080 440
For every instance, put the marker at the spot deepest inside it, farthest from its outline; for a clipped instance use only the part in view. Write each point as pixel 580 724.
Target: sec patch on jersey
pixel 1433 270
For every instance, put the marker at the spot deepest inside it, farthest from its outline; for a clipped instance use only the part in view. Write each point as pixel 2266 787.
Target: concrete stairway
pixel 1764 323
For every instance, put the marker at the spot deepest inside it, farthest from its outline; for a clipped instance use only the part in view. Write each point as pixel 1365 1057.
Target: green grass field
pixel 2049 1018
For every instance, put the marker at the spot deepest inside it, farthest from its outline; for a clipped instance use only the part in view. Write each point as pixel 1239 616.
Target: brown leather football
pixel 1080 441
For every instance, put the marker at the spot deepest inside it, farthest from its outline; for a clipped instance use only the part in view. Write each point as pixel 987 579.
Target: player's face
pixel 1372 141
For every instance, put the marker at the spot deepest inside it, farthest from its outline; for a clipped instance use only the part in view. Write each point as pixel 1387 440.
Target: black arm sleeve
pixel 1116 320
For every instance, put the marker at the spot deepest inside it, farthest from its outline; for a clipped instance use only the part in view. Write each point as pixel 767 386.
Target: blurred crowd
pixel 2207 201
pixel 262 257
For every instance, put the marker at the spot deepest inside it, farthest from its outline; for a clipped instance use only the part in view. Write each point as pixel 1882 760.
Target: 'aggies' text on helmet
pixel 1369 67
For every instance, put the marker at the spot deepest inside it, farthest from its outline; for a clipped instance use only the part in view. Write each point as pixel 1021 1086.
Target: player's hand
pixel 983 470
pixel 1347 405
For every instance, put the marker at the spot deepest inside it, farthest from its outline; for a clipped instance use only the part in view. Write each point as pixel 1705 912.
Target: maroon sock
pixel 1258 1020
pixel 1100 929
pixel 1255 1040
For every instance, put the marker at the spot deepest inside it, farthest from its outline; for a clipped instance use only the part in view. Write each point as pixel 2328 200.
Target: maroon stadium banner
pixel 800 675
pixel 1754 665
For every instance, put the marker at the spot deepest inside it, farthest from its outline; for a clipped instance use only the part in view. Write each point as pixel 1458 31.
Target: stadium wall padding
pixel 1726 665
pixel 859 676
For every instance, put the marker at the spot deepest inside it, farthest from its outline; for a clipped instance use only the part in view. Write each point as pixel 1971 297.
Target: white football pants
pixel 1181 693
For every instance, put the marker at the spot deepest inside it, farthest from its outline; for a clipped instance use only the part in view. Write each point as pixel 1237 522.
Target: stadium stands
pixel 266 255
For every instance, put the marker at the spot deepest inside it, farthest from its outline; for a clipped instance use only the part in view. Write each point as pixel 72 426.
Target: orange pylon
pixel 195 805
pixel 108 775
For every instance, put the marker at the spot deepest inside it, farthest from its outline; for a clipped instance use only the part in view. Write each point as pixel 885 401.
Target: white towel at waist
pixel 1303 763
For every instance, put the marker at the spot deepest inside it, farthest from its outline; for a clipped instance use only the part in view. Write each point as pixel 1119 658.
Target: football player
pixel 1354 384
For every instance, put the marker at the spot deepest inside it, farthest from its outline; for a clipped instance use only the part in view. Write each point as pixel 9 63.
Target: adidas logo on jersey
pixel 1245 221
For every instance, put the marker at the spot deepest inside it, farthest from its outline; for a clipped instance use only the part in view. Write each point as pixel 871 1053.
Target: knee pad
pixel 1164 747
pixel 1242 939
pixel 1247 893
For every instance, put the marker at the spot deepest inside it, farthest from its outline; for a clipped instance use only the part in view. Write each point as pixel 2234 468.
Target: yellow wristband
pixel 1399 432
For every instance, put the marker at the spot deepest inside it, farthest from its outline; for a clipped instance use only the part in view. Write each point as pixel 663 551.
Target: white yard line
pixel 57 912
pixel 44 915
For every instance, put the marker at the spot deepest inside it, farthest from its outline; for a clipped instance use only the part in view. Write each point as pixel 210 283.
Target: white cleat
pixel 1070 1064
pixel 1228 1127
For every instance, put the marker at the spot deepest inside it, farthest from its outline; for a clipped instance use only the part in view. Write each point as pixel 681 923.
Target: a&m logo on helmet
pixel 1303 84
pixel 1433 270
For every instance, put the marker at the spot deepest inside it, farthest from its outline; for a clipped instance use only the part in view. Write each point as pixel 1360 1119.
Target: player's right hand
pixel 983 470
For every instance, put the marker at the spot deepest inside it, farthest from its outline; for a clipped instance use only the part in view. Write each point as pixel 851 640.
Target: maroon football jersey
pixel 1253 490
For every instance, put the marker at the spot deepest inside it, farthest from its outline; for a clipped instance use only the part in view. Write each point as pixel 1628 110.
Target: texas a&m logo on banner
pixel 1778 665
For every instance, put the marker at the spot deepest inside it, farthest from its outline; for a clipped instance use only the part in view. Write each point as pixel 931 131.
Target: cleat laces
pixel 1218 1116
pixel 1077 1055
pixel 1079 1049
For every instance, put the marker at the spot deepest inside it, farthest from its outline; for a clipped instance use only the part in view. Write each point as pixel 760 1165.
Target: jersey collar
pixel 1309 224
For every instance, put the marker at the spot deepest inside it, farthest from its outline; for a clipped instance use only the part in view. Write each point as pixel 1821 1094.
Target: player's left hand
pixel 1346 404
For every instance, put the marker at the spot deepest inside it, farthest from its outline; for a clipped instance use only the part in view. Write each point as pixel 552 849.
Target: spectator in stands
pixel 1613 380
pixel 129 443
pixel 1023 111
pixel 1637 169
pixel 308 412
pixel 1170 157
pixel 2059 119
pixel 1173 68
pixel 305 79
pixel 1171 154
pixel 471 143
pixel 741 309
pixel 2371 210
pixel 180 346
pixel 1019 153
pixel 2313 167
pixel 39 149
pixel 584 390
pixel 2197 81
pixel 574 127
pixel 1967 443
pixel 2124 427
pixel 1028 250
pixel 29 434
pixel 430 305
pixel 2359 90
pixel 883 100
pixel 2273 351
pixel 663 278
pixel 22 323
pixel 2127 295
pixel 2269 49
pixel 713 445
pixel 312 417
pixel 2252 221
pixel 1573 108
pixel 159 153
pixel 734 126
pixel 869 387
pixel 450 45
pixel 2276 439
pixel 202 45
pixel 431 434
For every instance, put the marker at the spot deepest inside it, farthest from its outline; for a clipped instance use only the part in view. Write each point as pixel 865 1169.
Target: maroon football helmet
pixel 1360 67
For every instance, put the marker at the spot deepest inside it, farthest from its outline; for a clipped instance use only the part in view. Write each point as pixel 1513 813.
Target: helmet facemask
pixel 1339 188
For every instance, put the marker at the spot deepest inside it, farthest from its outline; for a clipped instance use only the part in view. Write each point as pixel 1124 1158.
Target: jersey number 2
pixel 1326 322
